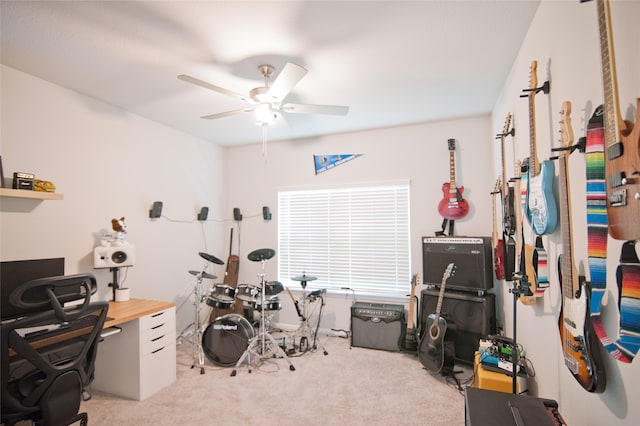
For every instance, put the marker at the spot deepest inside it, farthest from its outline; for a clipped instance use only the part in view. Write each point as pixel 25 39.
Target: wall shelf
pixel 22 193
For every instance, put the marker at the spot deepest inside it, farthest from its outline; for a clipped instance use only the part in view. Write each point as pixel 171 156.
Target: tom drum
pixel 248 293
pixel 221 296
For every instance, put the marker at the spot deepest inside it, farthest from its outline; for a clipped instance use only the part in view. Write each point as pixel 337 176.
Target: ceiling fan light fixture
pixel 265 114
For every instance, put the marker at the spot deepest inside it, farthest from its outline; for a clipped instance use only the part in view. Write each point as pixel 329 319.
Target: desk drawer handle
pixel 158 326
pixel 157 350
pixel 110 331
pixel 158 314
pixel 157 338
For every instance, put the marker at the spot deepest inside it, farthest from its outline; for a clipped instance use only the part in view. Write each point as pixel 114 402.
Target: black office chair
pixel 43 380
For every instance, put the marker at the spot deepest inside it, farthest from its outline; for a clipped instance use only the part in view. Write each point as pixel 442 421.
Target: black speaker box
pixel 377 326
pixel 471 317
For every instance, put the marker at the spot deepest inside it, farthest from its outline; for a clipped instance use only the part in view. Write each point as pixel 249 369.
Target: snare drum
pixel 248 292
pixel 221 296
pixel 271 304
pixel 225 339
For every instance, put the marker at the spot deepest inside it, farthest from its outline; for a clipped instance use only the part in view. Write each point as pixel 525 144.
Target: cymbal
pixel 204 274
pixel 304 278
pixel 211 258
pixel 261 254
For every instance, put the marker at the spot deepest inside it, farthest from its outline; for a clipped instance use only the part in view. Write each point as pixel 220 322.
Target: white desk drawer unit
pixel 141 359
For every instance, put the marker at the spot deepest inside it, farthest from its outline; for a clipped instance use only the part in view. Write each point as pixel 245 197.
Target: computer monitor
pixel 14 273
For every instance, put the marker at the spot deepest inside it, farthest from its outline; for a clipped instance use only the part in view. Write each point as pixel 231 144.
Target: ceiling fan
pixel 267 100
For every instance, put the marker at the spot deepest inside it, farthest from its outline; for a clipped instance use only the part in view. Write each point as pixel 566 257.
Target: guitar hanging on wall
pixel 437 350
pixel 497 243
pixel 621 144
pixel 508 209
pixel 541 208
pixel 452 206
pixel 410 341
pixel 577 334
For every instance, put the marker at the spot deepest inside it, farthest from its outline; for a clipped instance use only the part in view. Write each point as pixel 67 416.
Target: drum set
pixel 231 339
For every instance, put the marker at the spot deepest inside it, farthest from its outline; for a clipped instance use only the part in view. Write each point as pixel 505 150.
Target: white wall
pixel 416 153
pixel 108 163
pixel 564 39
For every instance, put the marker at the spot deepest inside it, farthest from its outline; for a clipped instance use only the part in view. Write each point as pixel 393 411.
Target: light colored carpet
pixel 348 386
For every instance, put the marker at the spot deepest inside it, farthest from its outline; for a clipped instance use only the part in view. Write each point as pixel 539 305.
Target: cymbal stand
pixel 304 334
pixel 198 353
pixel 259 344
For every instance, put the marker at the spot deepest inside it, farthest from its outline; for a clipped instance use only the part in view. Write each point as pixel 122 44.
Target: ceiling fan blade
pixel 226 114
pixel 213 87
pixel 315 109
pixel 290 75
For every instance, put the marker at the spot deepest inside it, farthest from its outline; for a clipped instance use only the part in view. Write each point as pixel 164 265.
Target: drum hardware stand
pixel 304 332
pixel 263 339
pixel 198 353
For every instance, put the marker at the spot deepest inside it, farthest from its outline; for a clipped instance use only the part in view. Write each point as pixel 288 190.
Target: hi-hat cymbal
pixel 211 258
pixel 204 274
pixel 304 278
pixel 261 254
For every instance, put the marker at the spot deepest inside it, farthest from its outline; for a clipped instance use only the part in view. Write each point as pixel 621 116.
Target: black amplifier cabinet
pixel 472 257
pixel 377 326
pixel 471 317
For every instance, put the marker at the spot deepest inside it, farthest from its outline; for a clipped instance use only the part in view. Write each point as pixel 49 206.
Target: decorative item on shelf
pixel 43 185
pixel 23 180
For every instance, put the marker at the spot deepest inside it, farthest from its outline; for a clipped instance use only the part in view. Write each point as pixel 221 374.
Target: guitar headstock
pixel 507 123
pixel 533 77
pixel 415 280
pixel 452 144
pixel 566 132
pixel 449 272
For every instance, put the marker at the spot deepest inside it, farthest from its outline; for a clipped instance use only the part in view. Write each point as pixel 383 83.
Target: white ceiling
pixel 392 62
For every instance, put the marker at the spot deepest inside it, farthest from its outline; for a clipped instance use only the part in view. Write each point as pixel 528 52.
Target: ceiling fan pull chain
pixel 264 142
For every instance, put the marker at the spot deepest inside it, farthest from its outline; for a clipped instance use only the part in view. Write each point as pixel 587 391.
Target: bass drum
pixel 225 339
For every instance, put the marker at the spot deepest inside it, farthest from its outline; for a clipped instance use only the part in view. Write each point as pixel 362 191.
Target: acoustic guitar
pixel 542 211
pixel 410 341
pixel 577 334
pixel 621 144
pixel 452 206
pixel 437 351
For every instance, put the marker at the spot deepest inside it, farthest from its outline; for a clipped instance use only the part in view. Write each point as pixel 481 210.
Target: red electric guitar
pixel 452 206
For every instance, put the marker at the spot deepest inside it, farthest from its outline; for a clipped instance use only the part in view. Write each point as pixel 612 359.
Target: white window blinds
pixel 356 237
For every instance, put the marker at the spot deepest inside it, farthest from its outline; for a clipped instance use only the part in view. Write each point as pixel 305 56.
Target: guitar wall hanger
pixel 545 88
pixel 580 146
pixel 511 132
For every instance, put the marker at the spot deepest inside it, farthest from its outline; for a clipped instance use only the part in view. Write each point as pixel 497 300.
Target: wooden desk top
pixel 122 312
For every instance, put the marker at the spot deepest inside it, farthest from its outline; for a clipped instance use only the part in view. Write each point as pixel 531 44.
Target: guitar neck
pixel 452 172
pixel 534 164
pixel 570 283
pixel 440 297
pixel 613 121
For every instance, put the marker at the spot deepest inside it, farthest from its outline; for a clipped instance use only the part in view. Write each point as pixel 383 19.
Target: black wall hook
pixel 545 88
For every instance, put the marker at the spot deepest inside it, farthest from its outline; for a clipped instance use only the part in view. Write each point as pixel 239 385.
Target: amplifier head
pixel 471 255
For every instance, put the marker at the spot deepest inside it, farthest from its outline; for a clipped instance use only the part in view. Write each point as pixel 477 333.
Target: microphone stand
pixel 521 287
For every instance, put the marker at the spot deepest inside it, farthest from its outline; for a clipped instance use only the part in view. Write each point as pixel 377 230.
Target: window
pixel 356 237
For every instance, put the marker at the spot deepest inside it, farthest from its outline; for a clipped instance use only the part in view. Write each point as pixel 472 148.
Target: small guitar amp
pixel 377 326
